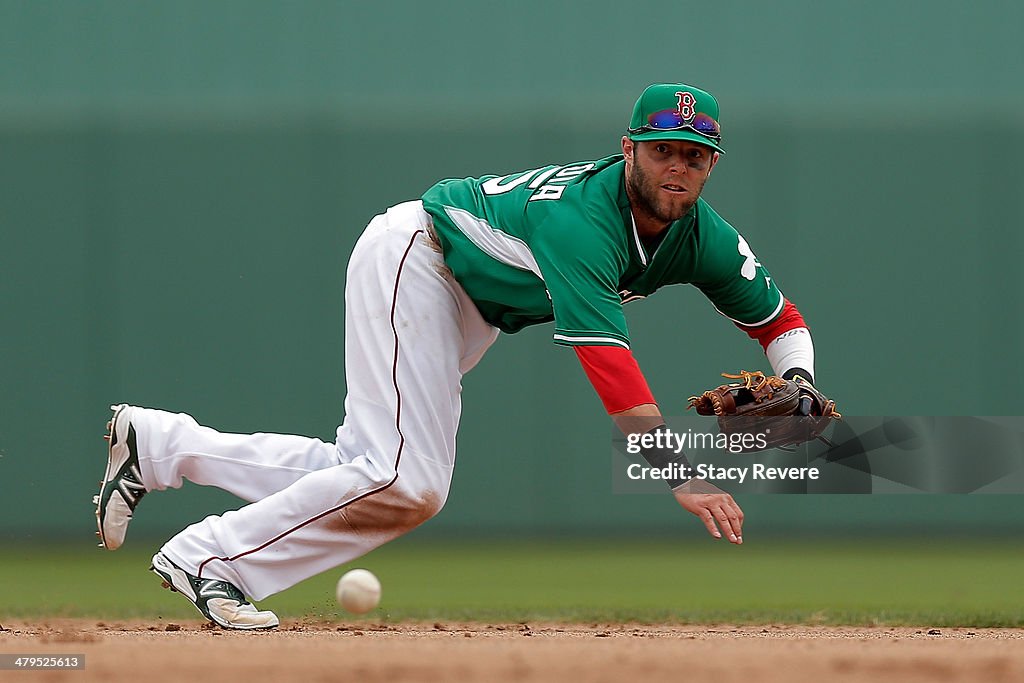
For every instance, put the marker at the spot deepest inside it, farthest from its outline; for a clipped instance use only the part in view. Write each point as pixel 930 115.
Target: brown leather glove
pixel 785 412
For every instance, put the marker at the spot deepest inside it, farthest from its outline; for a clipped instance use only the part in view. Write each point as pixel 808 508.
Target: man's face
pixel 665 177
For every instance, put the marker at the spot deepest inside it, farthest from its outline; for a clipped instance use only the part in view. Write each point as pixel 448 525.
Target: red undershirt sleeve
pixel 616 377
pixel 788 319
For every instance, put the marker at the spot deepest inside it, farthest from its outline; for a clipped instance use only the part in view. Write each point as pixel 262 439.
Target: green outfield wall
pixel 181 184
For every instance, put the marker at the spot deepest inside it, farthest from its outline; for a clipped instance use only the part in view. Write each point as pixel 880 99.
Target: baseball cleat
pixel 122 487
pixel 219 601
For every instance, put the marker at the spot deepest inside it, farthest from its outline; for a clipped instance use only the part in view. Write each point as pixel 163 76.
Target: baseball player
pixel 430 284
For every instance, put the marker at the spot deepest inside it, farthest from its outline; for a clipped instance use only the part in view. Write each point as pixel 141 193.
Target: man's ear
pixel 627 147
pixel 714 160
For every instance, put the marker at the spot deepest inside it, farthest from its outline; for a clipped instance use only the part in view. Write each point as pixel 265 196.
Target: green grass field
pixel 853 581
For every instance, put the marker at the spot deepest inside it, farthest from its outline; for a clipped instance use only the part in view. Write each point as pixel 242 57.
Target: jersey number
pixel 546 183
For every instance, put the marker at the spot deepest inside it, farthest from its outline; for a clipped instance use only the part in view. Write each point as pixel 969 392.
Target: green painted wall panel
pixel 180 185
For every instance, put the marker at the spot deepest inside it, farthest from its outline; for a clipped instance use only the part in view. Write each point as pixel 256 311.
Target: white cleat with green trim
pixel 219 601
pixel 122 487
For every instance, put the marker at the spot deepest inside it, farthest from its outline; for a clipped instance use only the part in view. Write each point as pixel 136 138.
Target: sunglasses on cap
pixel 670 119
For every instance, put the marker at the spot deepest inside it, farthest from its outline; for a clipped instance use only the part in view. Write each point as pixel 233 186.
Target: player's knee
pixel 415 505
pixel 395 510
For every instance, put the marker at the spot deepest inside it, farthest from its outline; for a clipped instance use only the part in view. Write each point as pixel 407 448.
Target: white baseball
pixel 358 591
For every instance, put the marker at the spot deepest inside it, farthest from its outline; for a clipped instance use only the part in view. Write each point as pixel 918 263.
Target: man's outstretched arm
pixel 623 389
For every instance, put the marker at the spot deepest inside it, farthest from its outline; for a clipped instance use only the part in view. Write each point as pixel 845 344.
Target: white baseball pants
pixel 411 332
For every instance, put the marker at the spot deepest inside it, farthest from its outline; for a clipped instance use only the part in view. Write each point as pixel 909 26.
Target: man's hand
pixel 707 501
pixel 712 505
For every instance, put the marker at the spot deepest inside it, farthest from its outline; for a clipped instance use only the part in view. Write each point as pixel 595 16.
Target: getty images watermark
pixel 673 443
pixel 880 454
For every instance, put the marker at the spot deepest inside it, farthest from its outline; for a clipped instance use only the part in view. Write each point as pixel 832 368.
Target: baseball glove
pixel 784 413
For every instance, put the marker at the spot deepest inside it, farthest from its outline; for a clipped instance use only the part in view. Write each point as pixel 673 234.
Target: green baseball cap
pixel 676 111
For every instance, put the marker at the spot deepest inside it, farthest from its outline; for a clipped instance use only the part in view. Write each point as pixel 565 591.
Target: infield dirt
pixel 316 651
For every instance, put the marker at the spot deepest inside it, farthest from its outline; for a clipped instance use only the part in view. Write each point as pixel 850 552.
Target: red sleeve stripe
pixel 616 377
pixel 788 319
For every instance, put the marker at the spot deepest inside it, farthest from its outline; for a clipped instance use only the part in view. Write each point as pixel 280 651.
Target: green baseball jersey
pixel 559 243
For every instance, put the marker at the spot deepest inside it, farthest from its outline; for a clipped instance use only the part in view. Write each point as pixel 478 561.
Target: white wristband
pixel 792 349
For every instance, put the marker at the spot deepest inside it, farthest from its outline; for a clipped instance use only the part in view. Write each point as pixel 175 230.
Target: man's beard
pixel 649 198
